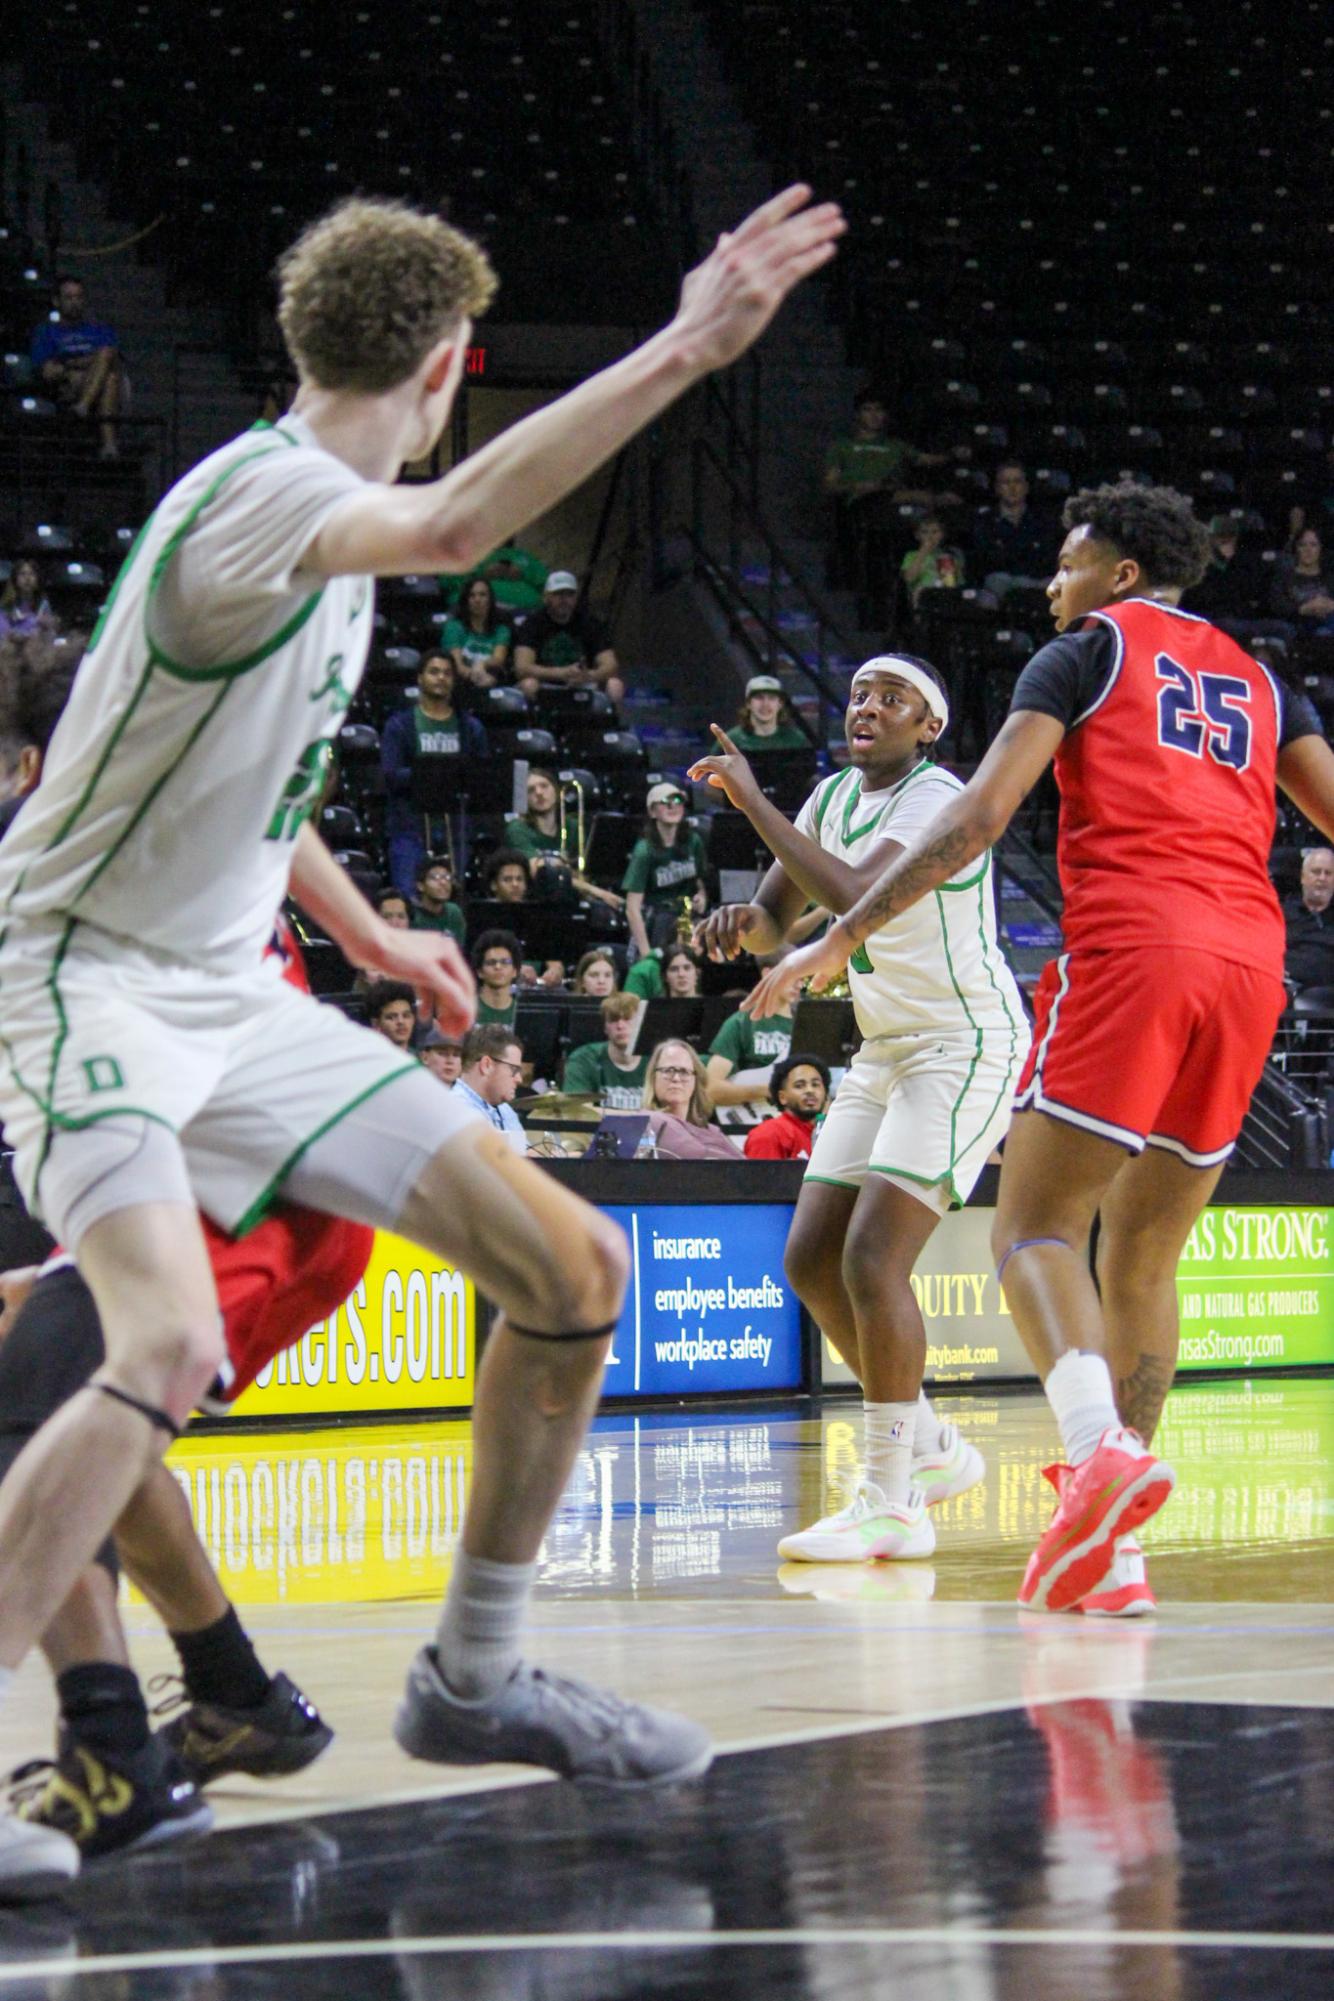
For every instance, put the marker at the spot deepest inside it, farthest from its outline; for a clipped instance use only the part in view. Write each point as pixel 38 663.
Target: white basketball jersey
pixel 198 735
pixel 938 966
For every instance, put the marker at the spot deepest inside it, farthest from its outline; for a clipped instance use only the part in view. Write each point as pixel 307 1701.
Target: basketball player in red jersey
pixel 1153 1026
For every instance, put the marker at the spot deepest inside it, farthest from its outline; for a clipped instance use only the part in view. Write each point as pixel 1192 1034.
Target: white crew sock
pixel 480 1636
pixel 888 1430
pixel 926 1436
pixel 1079 1390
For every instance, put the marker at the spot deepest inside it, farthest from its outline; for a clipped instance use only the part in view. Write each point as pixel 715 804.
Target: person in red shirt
pixel 799 1086
pixel 1154 1024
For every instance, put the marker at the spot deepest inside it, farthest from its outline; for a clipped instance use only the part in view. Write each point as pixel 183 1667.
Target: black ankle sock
pixel 103 1705
pixel 220 1665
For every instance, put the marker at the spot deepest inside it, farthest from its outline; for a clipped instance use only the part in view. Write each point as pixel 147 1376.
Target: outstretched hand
pixel 434 965
pixel 727 770
pixel 729 299
pixel 819 963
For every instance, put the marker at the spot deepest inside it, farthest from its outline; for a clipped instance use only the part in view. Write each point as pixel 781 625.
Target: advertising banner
pixel 406 1339
pixel 1255 1287
pixel 970 1336
pixel 709 1307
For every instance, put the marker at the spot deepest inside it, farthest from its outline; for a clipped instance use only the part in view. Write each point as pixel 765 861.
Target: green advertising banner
pixel 1256 1289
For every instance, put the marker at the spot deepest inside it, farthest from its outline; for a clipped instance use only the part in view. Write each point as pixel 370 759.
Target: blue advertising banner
pixel 709 1307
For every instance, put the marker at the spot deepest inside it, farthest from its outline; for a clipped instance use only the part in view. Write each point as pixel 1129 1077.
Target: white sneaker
pixel 868 1527
pixel 951 1469
pixel 35 1861
pixel 1125 1592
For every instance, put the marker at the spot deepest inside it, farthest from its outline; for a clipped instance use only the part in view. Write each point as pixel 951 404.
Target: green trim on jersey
pixel 258 1208
pixel 851 833
pixel 977 1035
pixel 53 1118
pixel 114 592
pixel 823 795
pixel 1007 1083
pixel 226 669
pixel 828 1181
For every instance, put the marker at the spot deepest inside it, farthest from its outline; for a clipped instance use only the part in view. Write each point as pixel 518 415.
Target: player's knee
pixel 172 1366
pixel 806 1265
pixel 603 1272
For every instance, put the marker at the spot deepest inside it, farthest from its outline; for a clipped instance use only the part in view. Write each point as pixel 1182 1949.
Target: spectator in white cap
pixel 665 878
pixel 765 720
pixel 564 645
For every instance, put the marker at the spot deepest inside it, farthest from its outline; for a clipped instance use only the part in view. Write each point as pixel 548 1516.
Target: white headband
pixel 934 697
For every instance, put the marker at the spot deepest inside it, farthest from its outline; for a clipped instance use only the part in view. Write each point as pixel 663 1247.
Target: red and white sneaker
pixel 1110 1496
pixel 1125 1592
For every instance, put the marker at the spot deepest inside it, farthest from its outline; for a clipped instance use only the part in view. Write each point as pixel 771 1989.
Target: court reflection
pixel 1074 1846
pixel 693 1504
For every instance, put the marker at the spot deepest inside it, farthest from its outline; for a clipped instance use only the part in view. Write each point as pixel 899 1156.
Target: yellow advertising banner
pixel 405 1340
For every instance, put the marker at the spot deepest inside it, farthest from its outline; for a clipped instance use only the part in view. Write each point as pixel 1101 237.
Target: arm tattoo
pixel 911 876
pixel 1140 1396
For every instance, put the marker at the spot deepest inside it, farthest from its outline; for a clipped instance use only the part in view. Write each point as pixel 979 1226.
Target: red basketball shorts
pixel 292 1270
pixel 1155 1046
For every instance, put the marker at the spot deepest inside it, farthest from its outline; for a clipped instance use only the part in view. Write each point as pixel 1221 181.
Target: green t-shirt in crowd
pixel 665 875
pixel 748 1044
pixel 474 646
pixel 590 1068
pixel 860 460
pixel 518 593
pixel 503 1015
pixel 645 978
pixel 437 736
pixel 530 840
pixel 450 919
pixel 786 737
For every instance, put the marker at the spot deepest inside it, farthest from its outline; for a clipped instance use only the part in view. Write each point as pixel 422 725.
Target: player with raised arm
pixel 1154 1024
pixel 144 1053
pixel 926 1100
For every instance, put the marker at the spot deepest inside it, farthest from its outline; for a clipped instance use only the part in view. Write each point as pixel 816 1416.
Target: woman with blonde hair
pixel 676 1093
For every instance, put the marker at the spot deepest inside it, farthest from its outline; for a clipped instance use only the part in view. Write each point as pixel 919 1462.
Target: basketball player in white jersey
pixel 924 1103
pixel 149 1063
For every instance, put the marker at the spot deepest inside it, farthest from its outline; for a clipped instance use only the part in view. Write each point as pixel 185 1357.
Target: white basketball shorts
pixel 926 1111
pixel 248 1074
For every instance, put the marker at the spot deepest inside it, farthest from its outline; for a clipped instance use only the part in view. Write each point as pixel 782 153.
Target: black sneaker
pixel 107 1806
pixel 282 1734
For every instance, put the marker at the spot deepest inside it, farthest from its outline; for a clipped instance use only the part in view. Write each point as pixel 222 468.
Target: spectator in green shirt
pixel 435 909
pixel 743 1053
pixel 665 878
pixel 670 975
pixel 931 566
pixel 765 720
pixel 536 835
pixel 475 639
pixel 495 961
pixel 515 575
pixel 869 474
pixel 564 645
pixel 610 1070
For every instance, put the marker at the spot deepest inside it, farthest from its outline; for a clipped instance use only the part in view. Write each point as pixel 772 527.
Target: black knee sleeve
pixel 157 1418
pixel 575 1334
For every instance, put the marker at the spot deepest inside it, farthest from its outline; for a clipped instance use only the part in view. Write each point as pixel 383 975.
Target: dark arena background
pixel 1083 244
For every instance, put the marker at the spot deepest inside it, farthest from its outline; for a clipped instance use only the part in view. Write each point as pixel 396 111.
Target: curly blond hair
pixel 367 291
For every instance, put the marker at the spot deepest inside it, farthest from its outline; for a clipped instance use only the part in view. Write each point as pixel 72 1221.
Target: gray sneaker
pixel 569 1726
